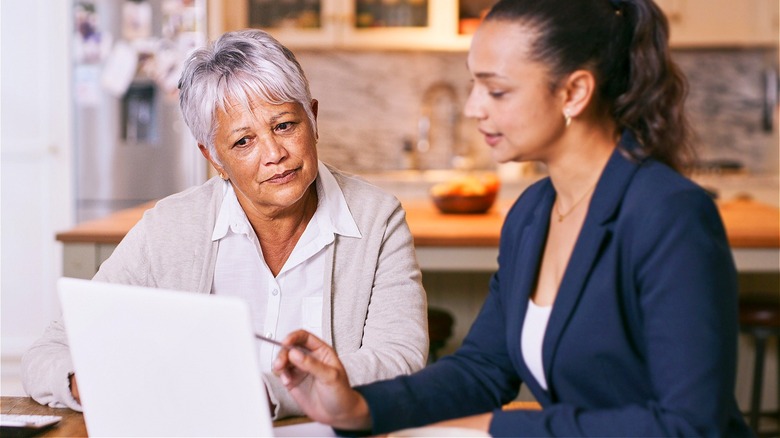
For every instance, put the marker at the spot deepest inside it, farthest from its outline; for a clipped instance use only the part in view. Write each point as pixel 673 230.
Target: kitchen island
pixel 449 242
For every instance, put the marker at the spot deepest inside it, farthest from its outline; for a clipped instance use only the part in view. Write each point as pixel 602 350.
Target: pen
pixel 279 344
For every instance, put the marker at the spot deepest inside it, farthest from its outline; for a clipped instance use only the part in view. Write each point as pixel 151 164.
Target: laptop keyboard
pixel 28 421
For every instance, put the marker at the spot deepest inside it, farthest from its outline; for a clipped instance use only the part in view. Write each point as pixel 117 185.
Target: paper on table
pixel 438 431
pixel 305 429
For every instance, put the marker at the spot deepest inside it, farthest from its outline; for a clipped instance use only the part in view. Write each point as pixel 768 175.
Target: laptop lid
pixel 153 362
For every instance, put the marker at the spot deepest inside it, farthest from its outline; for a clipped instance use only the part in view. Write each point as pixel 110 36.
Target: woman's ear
pixel 207 155
pixel 578 91
pixel 315 106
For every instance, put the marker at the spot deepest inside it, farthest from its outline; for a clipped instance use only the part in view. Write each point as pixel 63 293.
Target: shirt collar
pixel 231 216
pixel 333 206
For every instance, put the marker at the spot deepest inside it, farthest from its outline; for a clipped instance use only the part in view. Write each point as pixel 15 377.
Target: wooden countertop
pixel 749 224
pixel 72 423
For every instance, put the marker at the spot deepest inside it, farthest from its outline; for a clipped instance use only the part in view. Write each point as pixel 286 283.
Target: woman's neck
pixel 577 166
pixel 279 233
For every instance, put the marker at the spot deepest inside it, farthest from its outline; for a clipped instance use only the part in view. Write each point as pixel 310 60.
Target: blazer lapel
pixel 595 232
pixel 527 259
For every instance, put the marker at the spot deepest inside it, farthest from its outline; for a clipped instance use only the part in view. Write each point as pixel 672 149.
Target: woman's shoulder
pixel 656 185
pixel 200 200
pixel 360 193
pixel 659 199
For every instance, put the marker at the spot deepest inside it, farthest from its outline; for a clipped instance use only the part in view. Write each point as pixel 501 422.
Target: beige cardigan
pixel 374 306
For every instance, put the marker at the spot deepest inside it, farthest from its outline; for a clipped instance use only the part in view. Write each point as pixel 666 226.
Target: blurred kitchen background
pixel 130 142
pixel 90 121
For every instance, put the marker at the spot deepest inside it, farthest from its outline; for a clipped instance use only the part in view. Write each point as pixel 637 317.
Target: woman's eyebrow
pixel 276 117
pixel 240 129
pixel 487 75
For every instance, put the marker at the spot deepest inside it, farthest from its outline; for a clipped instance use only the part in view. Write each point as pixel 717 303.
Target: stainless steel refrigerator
pixel 131 143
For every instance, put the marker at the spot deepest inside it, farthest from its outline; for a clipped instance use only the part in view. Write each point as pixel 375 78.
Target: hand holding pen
pixel 313 374
pixel 282 346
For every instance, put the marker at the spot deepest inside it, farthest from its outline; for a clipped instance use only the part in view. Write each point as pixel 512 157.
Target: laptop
pixel 153 362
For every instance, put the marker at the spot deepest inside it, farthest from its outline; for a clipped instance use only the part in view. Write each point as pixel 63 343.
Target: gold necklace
pixel 562 216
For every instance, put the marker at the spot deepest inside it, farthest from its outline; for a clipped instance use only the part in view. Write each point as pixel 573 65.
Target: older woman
pixel 304 244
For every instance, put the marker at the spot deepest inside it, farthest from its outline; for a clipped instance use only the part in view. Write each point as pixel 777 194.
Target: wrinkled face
pixel 268 153
pixel 516 112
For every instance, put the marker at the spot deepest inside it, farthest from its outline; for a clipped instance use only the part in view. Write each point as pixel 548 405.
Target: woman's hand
pixel 319 384
pixel 74 388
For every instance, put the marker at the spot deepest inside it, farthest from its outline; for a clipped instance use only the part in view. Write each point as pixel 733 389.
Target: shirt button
pixel 269 335
pixel 275 292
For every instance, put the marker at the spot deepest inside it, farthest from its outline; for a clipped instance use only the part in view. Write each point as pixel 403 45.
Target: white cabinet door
pixel 711 23
pixel 438 32
pixel 36 199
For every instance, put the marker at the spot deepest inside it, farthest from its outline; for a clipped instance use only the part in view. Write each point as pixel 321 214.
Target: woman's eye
pixel 496 94
pixel 242 142
pixel 284 126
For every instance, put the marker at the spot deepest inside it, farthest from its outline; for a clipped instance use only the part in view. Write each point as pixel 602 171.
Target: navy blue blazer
pixel 642 336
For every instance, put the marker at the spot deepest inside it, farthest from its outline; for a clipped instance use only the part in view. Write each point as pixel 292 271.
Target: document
pixel 305 429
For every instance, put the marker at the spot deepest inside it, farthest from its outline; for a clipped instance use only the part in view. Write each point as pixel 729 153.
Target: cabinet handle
pixel 770 99
pixel 674 14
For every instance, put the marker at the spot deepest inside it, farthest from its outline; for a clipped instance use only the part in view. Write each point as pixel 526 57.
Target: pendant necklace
pixel 562 216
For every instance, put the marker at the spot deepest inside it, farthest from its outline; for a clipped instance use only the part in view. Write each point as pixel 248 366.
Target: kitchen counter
pixel 447 242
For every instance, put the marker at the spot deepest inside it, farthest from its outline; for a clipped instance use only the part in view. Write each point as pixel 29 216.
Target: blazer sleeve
pixel 477 378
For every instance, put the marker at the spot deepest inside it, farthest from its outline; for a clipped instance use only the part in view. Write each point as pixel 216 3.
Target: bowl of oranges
pixel 467 194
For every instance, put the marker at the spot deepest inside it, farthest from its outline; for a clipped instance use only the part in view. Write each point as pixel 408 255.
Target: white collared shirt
pixel 293 299
pixel 532 338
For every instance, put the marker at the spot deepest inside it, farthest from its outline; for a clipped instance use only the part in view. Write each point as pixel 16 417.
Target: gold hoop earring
pixel 567 117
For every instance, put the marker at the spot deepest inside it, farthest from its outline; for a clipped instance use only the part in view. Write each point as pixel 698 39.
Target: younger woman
pixel 615 296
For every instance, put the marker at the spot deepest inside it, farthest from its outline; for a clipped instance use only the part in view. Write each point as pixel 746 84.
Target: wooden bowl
pixel 462 204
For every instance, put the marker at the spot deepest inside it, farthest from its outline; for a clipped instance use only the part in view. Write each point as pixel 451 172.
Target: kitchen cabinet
pixel 718 23
pixel 356 24
pixel 448 24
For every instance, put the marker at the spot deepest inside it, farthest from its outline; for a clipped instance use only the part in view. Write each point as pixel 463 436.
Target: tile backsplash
pixel 371 103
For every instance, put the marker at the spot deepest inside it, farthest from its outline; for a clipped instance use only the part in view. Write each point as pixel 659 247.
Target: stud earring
pixel 567 117
pixel 222 175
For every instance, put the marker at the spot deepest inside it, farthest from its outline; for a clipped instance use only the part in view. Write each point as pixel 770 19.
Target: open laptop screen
pixel 152 362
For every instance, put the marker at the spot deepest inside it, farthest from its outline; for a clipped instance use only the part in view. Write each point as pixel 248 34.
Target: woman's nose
pixel 473 109
pixel 273 152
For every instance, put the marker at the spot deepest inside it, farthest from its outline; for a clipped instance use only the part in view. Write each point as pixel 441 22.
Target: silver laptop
pixel 152 362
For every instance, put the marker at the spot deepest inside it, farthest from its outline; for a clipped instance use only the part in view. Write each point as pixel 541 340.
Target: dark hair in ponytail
pixel 625 44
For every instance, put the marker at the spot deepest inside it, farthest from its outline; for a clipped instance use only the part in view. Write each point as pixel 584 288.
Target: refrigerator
pixel 131 144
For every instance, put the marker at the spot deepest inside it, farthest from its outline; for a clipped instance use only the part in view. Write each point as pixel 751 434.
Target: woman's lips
pixel 284 177
pixel 492 139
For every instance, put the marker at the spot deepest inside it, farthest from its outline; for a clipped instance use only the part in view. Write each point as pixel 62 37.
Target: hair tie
pixel 618 6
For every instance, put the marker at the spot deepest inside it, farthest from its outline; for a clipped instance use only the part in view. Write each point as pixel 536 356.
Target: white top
pixel 534 327
pixel 293 299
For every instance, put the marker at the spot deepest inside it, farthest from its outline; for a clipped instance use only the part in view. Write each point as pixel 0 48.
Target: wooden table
pixel 450 242
pixel 72 423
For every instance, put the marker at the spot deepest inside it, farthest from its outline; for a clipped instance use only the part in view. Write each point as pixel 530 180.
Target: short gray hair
pixel 236 66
